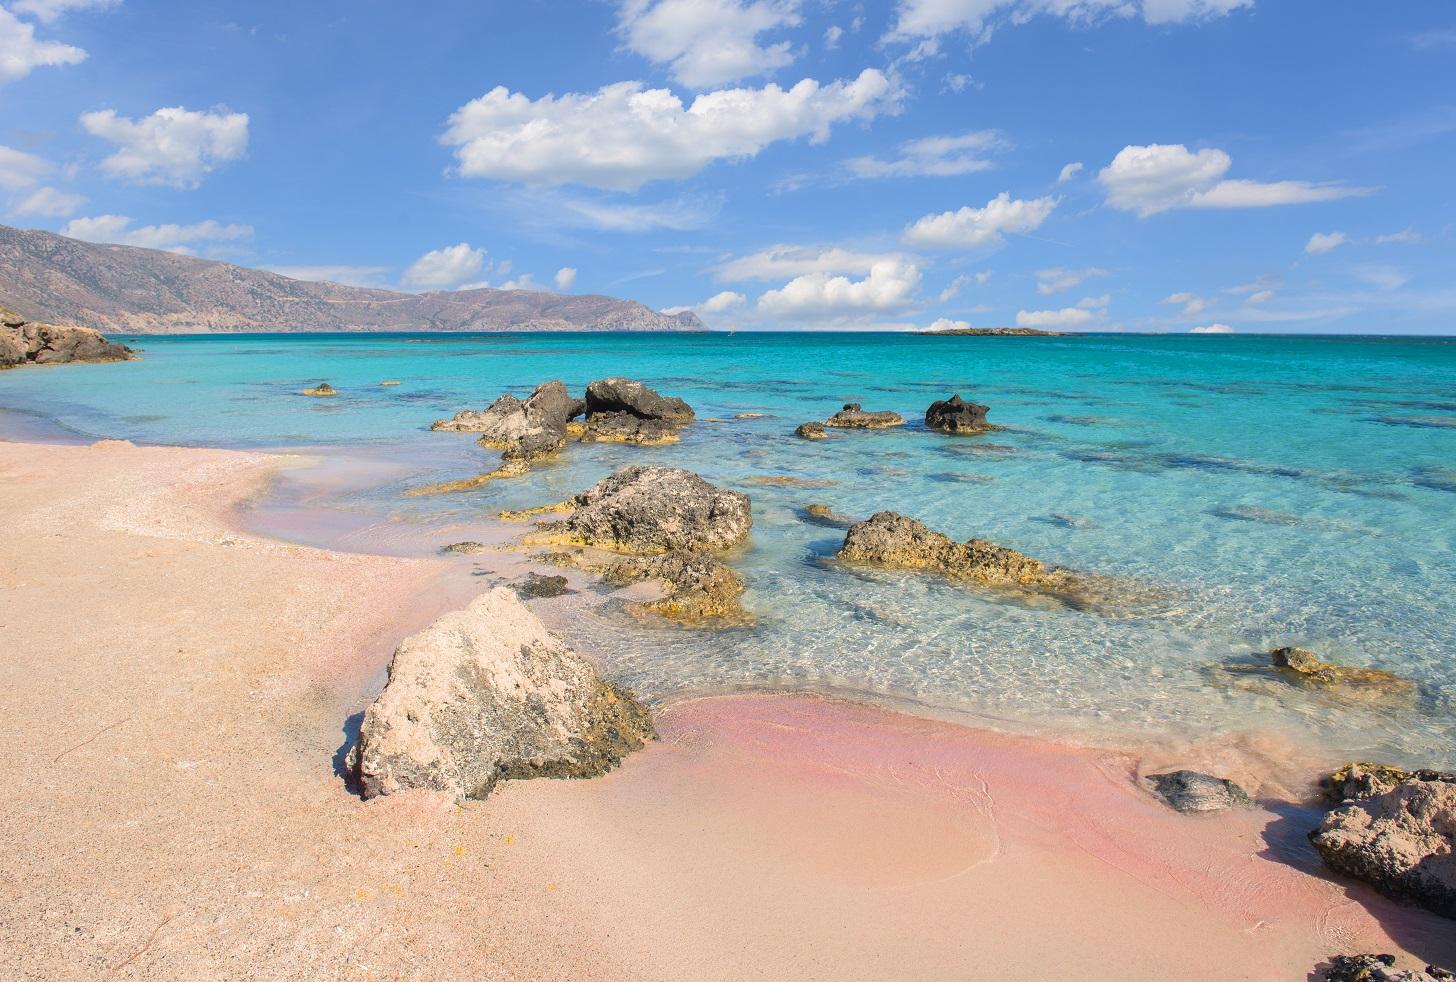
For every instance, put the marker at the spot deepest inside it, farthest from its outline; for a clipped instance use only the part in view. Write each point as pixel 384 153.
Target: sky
pixel 1108 165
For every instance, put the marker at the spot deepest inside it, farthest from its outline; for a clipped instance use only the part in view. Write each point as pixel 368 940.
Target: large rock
pixel 523 429
pixel 654 509
pixel 1380 968
pixel 852 417
pixel 626 428
pixel 485 693
pixel 24 342
pixel 698 587
pixel 810 431
pixel 624 395
pixel 1402 842
pixel 1302 666
pixel 955 415
pixel 1193 793
pixel 896 542
pixel 1362 780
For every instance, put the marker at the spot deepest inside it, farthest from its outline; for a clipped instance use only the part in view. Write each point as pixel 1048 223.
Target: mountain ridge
pixel 122 289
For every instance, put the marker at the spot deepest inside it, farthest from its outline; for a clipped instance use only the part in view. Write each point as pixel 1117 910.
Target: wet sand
pixel 174 698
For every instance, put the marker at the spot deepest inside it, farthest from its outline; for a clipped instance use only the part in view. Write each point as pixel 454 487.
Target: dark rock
pixel 536 586
pixel 699 587
pixel 464 548
pixel 322 389
pixel 1380 968
pixel 24 342
pixel 623 395
pixel 955 415
pixel 811 431
pixel 1193 793
pixel 522 429
pixel 627 428
pixel 825 516
pixel 654 509
pixel 852 417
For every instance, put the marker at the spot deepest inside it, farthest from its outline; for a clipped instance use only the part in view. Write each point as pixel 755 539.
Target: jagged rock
pixel 852 417
pixel 536 586
pixel 811 431
pixel 322 389
pixel 654 509
pixel 955 415
pixel 1402 842
pixel 486 693
pixel 626 428
pixel 523 429
pixel 1362 780
pixel 24 342
pixel 624 395
pixel 824 515
pixel 1379 968
pixel 1304 666
pixel 1193 793
pixel 465 548
pixel 698 586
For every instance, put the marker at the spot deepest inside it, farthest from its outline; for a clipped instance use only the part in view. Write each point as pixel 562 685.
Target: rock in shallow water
pixel 699 587
pixel 1380 968
pixel 24 342
pixel 624 395
pixel 523 429
pixel 1193 793
pixel 535 586
pixel 1362 780
pixel 955 415
pixel 1305 667
pixel 811 431
pixel 484 694
pixel 894 541
pixel 852 417
pixel 654 509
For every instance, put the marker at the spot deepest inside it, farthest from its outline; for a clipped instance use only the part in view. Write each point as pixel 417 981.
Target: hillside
pixel 126 290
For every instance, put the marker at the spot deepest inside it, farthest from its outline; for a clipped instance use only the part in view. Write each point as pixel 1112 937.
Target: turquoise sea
pixel 1273 490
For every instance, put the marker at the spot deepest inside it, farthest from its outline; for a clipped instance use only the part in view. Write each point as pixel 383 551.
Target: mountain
pixel 126 290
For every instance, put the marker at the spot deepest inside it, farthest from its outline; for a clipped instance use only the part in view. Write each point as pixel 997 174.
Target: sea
pixel 1251 492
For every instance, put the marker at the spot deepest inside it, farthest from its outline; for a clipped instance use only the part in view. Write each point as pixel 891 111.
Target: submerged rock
pixel 508 468
pixel 955 415
pixel 654 509
pixel 698 586
pixel 1304 667
pixel 486 693
pixel 535 586
pixel 523 429
pixel 1362 780
pixel 323 389
pixel 465 548
pixel 1380 968
pixel 25 342
pixel 811 431
pixel 824 515
pixel 1401 841
pixel 1193 793
pixel 1253 513
pixel 852 417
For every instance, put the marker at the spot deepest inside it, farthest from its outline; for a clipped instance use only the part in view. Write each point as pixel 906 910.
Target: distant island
pixel 126 290
pixel 994 332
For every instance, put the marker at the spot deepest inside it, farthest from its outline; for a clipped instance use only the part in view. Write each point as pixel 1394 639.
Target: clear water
pixel 1281 490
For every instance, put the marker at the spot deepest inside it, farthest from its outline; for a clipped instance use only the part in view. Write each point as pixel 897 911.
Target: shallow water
pixel 1271 490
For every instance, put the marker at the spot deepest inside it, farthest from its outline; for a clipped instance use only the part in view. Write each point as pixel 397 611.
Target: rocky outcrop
pixel 626 428
pixel 523 429
pixel 323 389
pixel 653 509
pixel 1402 842
pixel 1302 666
pixel 621 410
pixel 955 415
pixel 810 431
pixel 26 342
pixel 698 587
pixel 537 587
pixel 852 417
pixel 484 694
pixel 1193 793
pixel 468 548
pixel 1380 968
pixel 1362 780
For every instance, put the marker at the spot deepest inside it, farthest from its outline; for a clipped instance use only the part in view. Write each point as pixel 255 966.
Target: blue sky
pixel 1245 165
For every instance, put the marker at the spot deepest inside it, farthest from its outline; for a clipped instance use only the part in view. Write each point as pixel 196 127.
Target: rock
pixel 24 342
pixel 955 415
pixel 508 468
pixel 465 548
pixel 654 509
pixel 852 417
pixel 486 693
pixel 1304 667
pixel 896 542
pixel 1361 780
pixel 387 384
pixel 626 428
pixel 1379 968
pixel 535 586
pixel 788 481
pixel 824 515
pixel 523 429
pixel 749 415
pixel 811 431
pixel 623 395
pixel 698 586
pixel 1402 842
pixel 1193 793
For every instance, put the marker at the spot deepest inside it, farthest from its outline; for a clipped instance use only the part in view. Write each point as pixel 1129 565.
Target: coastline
pixel 180 684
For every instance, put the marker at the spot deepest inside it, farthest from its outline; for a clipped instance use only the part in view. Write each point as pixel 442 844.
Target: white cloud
pixel 779 261
pixel 1322 242
pixel 832 35
pixel 47 11
pixel 917 19
pixel 946 324
pixel 680 215
pixel 565 278
pixel 347 275
pixel 1382 277
pixel 622 136
pixel 50 202
pixel 1192 303
pixel 972 228
pixel 890 285
pixel 716 304
pixel 1065 318
pixel 1260 296
pixel 932 156
pixel 450 268
pixel 116 229
pixel 19 169
pixel 1058 280
pixel 708 42
pixel 172 146
pixel 523 282
pixel 1159 177
pixel 1096 303
pixel 1070 171
pixel 955 286
pixel 20 52
pixel 1211 329
pixel 1405 236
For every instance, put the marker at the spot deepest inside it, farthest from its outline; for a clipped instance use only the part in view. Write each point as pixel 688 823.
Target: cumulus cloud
pixel 565 278
pixel 623 135
pixel 920 19
pixel 1070 171
pixel 946 324
pixel 779 261
pixel 50 202
pixel 1192 303
pixel 973 228
pixel 932 156
pixel 174 146
pixel 20 52
pixel 47 11
pixel 832 34
pixel 1211 329
pixel 1058 280
pixel 1322 242
pixel 1067 317
pixel 117 230
pixel 716 304
pixel 1159 177
pixel 708 42
pixel 449 268
pixel 890 285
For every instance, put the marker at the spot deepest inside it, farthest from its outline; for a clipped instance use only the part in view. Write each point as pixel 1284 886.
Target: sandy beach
pixel 175 695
